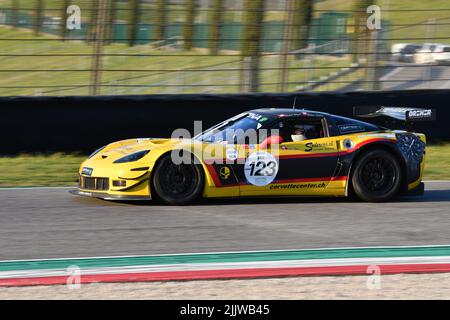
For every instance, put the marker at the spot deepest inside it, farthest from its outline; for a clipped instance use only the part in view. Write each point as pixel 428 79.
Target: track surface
pixel 51 223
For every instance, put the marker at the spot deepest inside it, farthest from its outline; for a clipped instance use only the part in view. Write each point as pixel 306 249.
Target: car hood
pixel 122 148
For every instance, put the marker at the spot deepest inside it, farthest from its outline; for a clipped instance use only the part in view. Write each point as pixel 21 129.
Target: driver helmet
pixel 299 134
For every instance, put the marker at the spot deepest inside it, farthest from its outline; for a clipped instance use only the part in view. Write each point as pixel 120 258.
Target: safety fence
pixel 119 49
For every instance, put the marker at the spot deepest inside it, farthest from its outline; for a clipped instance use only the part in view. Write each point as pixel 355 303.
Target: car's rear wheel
pixel 177 184
pixel 377 176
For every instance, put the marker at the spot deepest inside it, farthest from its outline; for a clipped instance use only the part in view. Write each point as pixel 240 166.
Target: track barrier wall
pixel 82 124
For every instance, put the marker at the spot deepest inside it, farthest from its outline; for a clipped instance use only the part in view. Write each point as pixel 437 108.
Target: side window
pixel 300 129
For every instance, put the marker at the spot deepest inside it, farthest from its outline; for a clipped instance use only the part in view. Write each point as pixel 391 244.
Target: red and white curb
pixel 219 270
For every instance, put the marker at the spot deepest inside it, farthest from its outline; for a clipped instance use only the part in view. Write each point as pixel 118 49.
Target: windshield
pixel 226 131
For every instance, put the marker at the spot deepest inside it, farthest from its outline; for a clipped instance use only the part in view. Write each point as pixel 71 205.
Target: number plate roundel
pixel 261 168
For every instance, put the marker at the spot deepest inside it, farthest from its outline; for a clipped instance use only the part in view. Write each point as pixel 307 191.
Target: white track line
pixel 36 188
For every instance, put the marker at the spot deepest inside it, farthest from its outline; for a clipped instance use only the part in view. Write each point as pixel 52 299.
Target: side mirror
pixel 271 140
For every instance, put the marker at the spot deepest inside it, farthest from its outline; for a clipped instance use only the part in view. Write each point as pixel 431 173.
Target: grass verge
pixel 39 170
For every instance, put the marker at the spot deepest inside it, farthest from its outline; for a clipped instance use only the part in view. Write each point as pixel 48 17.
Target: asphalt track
pixel 42 223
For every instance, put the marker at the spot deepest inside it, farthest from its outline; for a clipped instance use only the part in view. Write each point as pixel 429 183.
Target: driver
pixel 299 134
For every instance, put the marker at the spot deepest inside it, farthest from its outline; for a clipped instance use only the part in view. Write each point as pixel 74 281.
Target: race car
pixel 296 152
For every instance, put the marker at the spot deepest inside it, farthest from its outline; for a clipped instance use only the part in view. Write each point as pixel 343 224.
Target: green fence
pixel 330 25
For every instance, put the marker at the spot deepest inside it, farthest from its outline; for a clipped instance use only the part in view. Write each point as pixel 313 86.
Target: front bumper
pixel 106 196
pixel 112 182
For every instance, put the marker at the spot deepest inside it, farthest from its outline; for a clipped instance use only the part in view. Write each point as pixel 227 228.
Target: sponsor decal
pixel 225 173
pixel 254 116
pixel 298 186
pixel 231 154
pixel 311 145
pixel 261 168
pixel 350 128
pixel 420 114
pixel 87 171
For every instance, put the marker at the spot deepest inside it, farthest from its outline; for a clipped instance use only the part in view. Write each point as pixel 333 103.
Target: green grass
pixel 437 165
pixel 61 169
pixel 39 170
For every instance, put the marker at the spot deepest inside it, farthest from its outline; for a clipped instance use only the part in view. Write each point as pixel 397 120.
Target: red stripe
pixel 214 175
pixel 361 144
pixel 341 178
pixel 311 155
pixel 230 274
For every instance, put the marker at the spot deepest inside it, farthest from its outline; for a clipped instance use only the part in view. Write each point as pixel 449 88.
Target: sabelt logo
pixel 310 146
pixel 420 113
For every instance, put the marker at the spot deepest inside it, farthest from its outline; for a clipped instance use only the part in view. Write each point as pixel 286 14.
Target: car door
pixel 302 168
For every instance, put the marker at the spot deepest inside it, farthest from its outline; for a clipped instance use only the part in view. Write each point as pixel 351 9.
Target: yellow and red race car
pixel 265 152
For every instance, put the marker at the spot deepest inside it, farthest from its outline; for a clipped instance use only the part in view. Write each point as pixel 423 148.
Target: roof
pixel 288 111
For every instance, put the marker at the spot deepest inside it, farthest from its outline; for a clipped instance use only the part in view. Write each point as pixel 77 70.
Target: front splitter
pixel 106 196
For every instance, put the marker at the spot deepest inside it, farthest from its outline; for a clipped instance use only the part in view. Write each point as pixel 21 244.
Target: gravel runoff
pixel 400 286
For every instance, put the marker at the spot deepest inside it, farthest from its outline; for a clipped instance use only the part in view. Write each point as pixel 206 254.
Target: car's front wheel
pixel 177 184
pixel 377 176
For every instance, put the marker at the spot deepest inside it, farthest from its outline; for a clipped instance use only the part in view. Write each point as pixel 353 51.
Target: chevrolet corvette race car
pixel 297 152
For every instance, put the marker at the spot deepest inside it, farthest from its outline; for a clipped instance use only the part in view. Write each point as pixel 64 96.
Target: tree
pixel 360 30
pixel 188 28
pixel 302 16
pixel 110 19
pixel 161 20
pixel 95 7
pixel 39 14
pixel 64 17
pixel 134 22
pixel 15 12
pixel 251 38
pixel 215 21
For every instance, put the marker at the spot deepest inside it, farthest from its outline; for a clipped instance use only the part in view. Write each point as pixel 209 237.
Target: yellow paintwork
pixel 416 183
pixel 103 166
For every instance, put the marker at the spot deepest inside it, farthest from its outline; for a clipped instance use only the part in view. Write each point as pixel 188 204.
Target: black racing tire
pixel 376 176
pixel 177 184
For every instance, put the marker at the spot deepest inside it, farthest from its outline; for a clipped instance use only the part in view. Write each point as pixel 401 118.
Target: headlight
pixel 133 157
pixel 95 152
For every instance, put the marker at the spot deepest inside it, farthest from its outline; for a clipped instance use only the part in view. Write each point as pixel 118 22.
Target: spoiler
pixel 397 113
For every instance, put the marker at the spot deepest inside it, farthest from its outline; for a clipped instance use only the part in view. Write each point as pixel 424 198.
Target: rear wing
pixel 392 115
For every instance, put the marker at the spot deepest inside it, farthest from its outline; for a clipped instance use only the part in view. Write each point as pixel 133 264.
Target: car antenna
pixel 295 102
